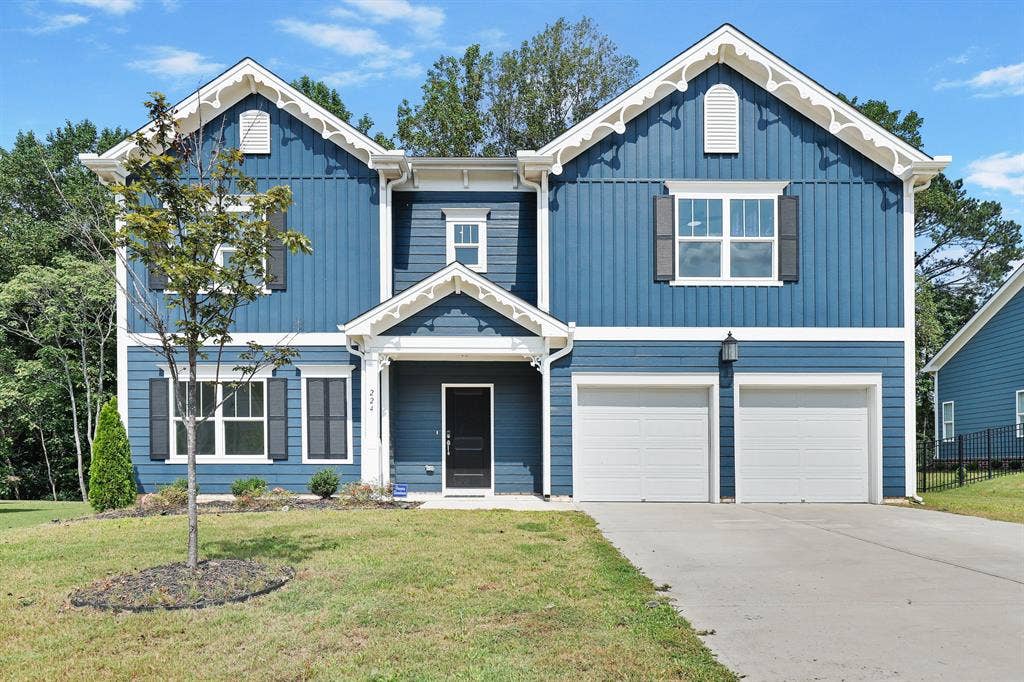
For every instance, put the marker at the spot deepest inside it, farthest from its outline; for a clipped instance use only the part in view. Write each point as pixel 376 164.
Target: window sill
pixel 225 459
pixel 327 461
pixel 726 282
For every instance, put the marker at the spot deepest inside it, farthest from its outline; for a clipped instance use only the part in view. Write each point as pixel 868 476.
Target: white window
pixel 948 421
pixel 235 428
pixel 223 253
pixel 466 237
pixel 254 132
pixel 1020 413
pixel 326 413
pixel 726 232
pixel 721 120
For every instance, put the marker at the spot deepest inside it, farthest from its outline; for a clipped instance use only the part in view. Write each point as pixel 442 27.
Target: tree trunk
pixel 46 458
pixel 190 438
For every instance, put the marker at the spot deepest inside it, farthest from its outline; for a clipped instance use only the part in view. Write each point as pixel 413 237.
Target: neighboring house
pixel 979 373
pixel 554 323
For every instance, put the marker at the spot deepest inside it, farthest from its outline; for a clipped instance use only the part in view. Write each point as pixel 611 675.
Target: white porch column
pixel 370 461
pixel 545 392
pixel 385 421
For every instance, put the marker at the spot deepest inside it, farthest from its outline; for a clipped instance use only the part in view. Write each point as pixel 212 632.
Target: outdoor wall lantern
pixel 730 349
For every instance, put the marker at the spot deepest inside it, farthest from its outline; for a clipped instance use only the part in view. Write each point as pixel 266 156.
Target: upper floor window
pixel 254 132
pixel 466 237
pixel 948 420
pixel 721 120
pixel 726 233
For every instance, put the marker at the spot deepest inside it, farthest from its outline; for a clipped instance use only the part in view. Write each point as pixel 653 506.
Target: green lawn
pixel 378 595
pixel 1000 498
pixel 33 512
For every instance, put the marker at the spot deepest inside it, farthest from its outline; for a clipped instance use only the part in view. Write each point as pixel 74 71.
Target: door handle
pixel 447 442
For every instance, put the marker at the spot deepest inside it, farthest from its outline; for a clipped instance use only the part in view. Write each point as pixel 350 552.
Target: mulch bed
pixel 175 586
pixel 257 505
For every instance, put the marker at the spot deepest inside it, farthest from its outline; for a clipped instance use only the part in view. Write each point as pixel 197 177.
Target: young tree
pixel 451 120
pixel 552 82
pixel 111 476
pixel 184 204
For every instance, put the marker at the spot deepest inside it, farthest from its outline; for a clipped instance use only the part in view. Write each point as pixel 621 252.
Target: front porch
pixel 456 388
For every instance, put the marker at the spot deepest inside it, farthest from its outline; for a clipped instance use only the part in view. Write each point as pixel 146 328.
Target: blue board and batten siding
pixel 983 377
pixel 419 237
pixel 416 422
pixel 335 203
pixel 851 238
pixel 703 357
pixel 291 474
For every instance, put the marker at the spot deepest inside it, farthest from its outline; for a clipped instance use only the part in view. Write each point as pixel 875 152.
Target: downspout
pixel 545 374
pixel 386 274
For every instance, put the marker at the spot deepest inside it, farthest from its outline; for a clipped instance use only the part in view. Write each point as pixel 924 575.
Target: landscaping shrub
pixel 1015 465
pixel 364 493
pixel 174 494
pixel 249 487
pixel 324 483
pixel 111 477
pixel 974 466
pixel 995 464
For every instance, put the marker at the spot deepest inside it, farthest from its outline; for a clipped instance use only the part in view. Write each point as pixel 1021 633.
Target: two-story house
pixel 703 291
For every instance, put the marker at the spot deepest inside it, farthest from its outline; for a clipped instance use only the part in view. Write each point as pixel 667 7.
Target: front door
pixel 467 437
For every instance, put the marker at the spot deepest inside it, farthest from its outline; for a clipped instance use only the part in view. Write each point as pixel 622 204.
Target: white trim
pixel 326 372
pixel 218 419
pixel 385 424
pixel 952 422
pixel 1013 284
pixel 457 347
pixel 1018 411
pixel 838 334
pixel 728 281
pixel 466 216
pixel 212 372
pixel 679 379
pixel 121 321
pixel 870 381
pixel 909 343
pixel 729 45
pixel 543 247
pixel 262 338
pixel 736 189
pixel 454 278
pixel 444 428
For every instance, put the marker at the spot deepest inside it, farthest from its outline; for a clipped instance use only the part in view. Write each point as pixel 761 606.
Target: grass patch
pixel 1000 498
pixel 21 513
pixel 377 595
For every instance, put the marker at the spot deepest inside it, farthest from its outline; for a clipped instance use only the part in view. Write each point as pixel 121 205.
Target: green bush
pixel 974 466
pixel 995 464
pixel 249 487
pixel 324 483
pixel 111 476
pixel 1015 465
pixel 359 494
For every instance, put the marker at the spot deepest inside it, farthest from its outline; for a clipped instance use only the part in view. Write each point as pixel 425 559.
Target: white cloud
pixel 966 56
pixel 1001 80
pixel 57 22
pixel 117 7
pixel 346 41
pixel 351 78
pixel 424 20
pixel 1002 171
pixel 172 62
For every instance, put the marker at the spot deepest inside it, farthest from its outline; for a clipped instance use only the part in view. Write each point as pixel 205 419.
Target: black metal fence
pixel 969 457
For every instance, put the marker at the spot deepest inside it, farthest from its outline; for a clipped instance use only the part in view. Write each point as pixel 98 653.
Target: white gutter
pixel 545 373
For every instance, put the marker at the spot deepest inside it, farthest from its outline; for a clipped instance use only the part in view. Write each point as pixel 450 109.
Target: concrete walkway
pixel 837 592
pixel 512 502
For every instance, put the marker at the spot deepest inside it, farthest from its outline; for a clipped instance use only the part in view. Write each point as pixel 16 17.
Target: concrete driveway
pixel 836 592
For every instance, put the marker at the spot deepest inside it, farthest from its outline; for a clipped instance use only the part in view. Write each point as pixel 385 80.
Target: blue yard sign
pixel 400 490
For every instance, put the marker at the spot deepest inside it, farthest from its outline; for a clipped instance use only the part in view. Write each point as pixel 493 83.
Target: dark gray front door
pixel 467 437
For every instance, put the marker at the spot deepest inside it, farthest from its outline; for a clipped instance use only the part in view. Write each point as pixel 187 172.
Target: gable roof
pixel 731 46
pixel 454 279
pixel 245 78
pixel 1013 284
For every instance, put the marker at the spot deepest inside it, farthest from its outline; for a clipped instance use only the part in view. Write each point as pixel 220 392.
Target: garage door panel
pixel 641 443
pixel 803 444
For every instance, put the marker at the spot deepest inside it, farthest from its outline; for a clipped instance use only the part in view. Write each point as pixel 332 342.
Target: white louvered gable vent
pixel 254 132
pixel 721 120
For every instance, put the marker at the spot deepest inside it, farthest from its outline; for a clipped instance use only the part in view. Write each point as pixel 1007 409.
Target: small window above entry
pixel 466 237
pixel 721 120
pixel 254 132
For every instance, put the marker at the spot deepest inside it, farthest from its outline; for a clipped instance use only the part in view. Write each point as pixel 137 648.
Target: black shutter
pixel 277 257
pixel 156 279
pixel 277 418
pixel 664 238
pixel 159 420
pixel 789 239
pixel 327 418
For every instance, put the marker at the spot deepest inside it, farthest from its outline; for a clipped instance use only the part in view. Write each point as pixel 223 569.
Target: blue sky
pixel 959 64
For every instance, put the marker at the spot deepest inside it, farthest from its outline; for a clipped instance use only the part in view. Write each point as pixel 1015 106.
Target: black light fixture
pixel 730 349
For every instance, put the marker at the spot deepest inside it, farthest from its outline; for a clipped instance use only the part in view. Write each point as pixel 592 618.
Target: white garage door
pixel 802 445
pixel 636 443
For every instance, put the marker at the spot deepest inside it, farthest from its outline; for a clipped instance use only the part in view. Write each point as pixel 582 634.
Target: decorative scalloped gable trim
pixel 730 46
pixel 249 77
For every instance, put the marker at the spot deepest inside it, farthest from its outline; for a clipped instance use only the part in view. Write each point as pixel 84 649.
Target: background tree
pixel 451 120
pixel 964 249
pixel 552 82
pixel 178 228
pixel 330 99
